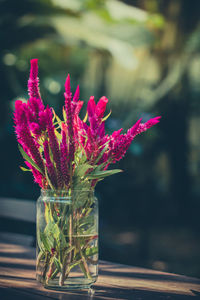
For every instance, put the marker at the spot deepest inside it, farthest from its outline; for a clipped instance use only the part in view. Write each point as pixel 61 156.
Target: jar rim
pixel 64 192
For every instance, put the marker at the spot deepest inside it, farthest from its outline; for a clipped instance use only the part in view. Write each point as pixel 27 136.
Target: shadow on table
pixel 149 276
pixel 98 292
pixel 18 286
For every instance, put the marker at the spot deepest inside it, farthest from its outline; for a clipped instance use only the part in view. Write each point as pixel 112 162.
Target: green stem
pixel 68 256
pixel 67 271
pixel 51 270
pixel 83 264
pixel 46 264
pixel 55 273
pixel 39 257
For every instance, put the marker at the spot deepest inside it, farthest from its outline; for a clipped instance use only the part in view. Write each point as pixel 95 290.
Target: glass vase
pixel 67 239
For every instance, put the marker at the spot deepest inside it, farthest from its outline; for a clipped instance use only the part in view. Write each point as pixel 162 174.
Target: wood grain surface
pixel 17 281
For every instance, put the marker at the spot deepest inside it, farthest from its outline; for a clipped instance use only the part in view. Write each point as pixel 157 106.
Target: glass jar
pixel 67 239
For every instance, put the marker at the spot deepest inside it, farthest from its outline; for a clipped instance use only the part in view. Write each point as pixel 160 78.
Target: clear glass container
pixel 67 239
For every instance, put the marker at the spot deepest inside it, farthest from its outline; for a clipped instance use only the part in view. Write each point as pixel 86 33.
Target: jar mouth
pixel 64 193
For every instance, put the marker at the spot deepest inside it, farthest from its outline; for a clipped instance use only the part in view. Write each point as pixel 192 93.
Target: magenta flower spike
pixel 28 142
pixel 76 104
pixel 20 115
pixel 33 82
pixel 101 106
pixel 64 159
pixel 91 107
pixel 143 127
pixel 49 165
pixel 70 119
pixel 133 131
pixel 79 105
pixel 37 175
pixel 36 106
pixel 54 145
pixel 34 69
pixel 24 135
pixel 67 86
pixel 76 94
pixel 53 149
pixel 93 119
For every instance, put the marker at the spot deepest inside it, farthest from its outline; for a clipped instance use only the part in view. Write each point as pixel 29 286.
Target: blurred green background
pixel 145 57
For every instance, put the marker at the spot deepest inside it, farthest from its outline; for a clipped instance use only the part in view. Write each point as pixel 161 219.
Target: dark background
pixel 145 57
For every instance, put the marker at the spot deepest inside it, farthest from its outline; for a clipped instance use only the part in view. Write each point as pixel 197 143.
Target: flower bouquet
pixel 67 158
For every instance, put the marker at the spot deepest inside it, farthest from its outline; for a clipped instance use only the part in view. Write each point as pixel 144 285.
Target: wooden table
pixel 17 281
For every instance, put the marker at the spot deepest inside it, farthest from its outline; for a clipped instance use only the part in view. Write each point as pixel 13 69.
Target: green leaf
pixel 102 174
pixel 46 241
pixel 82 169
pixel 85 118
pixel 80 155
pixel 81 196
pixel 88 226
pixel 27 158
pixel 60 239
pixel 64 115
pixel 106 117
pixel 51 154
pixel 58 135
pixel 54 233
pixel 69 249
pixel 86 221
pixel 47 177
pixel 57 263
pixel 74 264
pixel 47 214
pixel 39 241
pixel 57 118
pixel 91 251
pixel 101 154
pixel 83 269
pixel 24 169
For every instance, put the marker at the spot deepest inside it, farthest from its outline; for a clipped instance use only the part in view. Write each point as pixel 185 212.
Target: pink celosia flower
pixel 36 106
pixel 56 151
pixel 33 82
pixel 64 158
pixel 101 107
pixel 75 100
pixel 119 143
pixel 143 127
pixel 68 97
pixel 49 165
pixel 54 145
pixel 37 176
pixel 24 135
